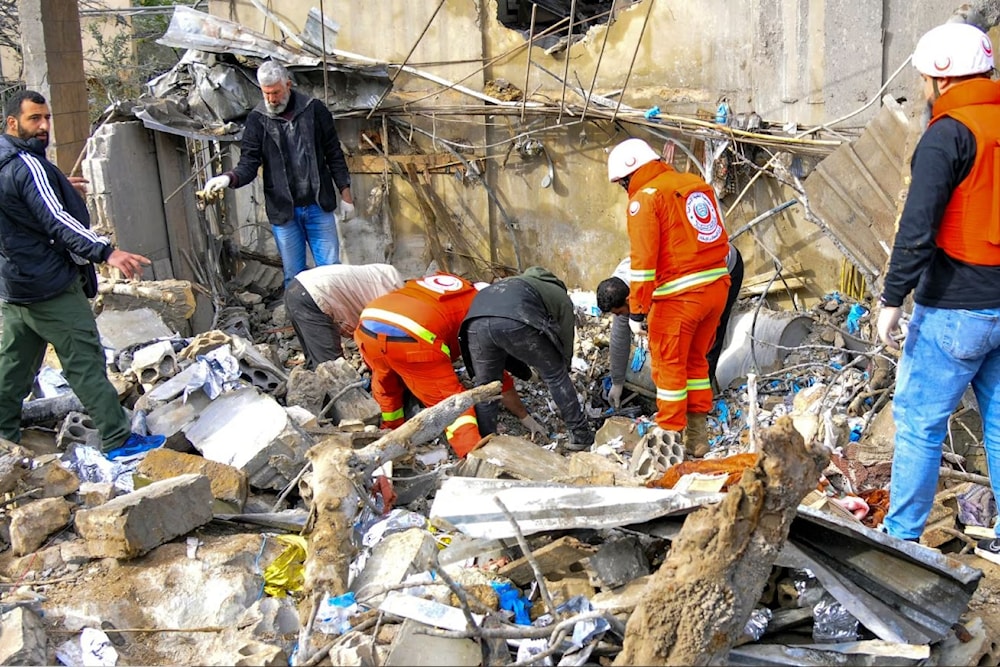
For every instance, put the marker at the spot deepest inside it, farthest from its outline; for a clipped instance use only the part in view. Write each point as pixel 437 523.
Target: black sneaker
pixel 989 549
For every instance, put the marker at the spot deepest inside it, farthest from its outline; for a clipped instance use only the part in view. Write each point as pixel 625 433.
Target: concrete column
pixel 53 65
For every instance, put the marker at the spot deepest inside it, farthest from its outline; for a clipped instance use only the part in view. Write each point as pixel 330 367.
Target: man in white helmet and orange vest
pixel 947 252
pixel 679 282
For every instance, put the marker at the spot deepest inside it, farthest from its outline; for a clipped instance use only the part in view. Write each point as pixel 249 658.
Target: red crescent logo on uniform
pixel 943 67
pixel 703 216
pixel 987 46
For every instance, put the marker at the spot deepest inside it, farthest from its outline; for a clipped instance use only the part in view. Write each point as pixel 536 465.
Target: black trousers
pixel 736 276
pixel 493 339
pixel 317 332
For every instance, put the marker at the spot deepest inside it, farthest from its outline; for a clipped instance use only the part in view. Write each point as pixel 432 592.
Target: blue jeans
pixel 945 351
pixel 311 225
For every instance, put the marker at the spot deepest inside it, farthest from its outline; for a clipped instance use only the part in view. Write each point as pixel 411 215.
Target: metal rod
pixel 405 60
pixel 326 73
pixel 635 54
pixel 597 67
pixel 569 45
pixel 527 64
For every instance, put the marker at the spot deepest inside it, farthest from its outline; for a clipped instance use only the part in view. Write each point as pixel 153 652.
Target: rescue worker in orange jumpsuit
pixel 679 283
pixel 409 339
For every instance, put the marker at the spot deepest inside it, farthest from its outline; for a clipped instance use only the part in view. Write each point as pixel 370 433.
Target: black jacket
pixel 536 298
pixel 262 145
pixel 43 223
pixel 943 158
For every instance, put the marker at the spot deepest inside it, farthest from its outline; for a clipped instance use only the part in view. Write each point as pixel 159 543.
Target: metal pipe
pixel 527 65
pixel 569 45
pixel 762 217
pixel 635 54
pixel 405 60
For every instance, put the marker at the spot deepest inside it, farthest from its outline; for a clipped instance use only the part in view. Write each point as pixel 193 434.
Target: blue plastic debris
pixel 854 316
pixel 638 358
pixel 511 599
pixel 651 113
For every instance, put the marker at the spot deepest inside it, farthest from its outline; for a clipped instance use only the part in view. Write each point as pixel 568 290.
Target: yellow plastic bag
pixel 286 573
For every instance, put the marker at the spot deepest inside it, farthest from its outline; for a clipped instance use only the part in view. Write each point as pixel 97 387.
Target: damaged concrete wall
pixel 807 63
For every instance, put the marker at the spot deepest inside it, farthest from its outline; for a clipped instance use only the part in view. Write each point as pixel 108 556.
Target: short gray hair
pixel 270 73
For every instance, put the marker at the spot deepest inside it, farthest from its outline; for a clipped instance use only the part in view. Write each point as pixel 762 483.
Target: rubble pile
pixel 205 551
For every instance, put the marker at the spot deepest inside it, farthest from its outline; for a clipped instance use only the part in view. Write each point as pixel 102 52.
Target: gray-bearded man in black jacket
pixel 292 136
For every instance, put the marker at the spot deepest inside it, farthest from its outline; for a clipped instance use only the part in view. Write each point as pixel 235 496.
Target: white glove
pixel 532 425
pixel 345 211
pixel 888 323
pixel 615 395
pixel 638 327
pixel 217 184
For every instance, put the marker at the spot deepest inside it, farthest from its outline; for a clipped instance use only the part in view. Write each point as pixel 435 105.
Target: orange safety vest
pixel 677 238
pixel 970 227
pixel 429 309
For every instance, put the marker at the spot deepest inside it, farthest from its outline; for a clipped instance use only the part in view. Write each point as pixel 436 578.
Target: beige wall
pixel 807 61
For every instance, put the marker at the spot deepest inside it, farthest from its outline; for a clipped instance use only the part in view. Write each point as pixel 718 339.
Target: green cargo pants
pixel 67 322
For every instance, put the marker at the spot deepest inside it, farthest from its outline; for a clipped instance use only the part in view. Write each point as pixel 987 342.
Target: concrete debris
pixel 440 552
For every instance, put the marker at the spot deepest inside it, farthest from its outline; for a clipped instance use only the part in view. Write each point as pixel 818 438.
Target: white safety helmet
pixel 953 49
pixel 628 156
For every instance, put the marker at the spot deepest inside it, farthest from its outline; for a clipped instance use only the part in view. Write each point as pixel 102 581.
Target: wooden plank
pixel 376 164
pixel 553 558
pixel 521 459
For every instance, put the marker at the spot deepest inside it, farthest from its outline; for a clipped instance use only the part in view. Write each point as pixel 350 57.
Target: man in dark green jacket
pixel 524 321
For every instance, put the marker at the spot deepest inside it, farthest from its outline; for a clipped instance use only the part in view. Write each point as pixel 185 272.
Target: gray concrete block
pixel 78 428
pixel 131 525
pixel 252 432
pixel 355 403
pixel 22 638
pixel 120 329
pixel 412 647
pixel 618 562
pixel 392 560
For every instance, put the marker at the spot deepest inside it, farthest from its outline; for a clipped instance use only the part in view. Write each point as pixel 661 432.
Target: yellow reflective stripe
pixel 413 327
pixel 672 396
pixel 459 423
pixel 390 416
pixel 642 275
pixel 689 281
pixel 695 385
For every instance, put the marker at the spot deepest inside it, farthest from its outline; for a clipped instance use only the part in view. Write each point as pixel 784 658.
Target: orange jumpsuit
pixel 410 337
pixel 679 281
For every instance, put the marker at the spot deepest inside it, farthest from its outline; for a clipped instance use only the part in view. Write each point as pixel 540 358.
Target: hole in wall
pixel 516 15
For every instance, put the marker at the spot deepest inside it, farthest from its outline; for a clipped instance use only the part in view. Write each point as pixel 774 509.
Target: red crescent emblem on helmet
pixel 987 46
pixel 942 68
pixel 629 161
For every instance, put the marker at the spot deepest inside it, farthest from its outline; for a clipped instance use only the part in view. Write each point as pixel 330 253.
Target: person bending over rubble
pixel 679 283
pixel 292 136
pixel 612 297
pixel 520 322
pixel 409 340
pixel 47 252
pixel 325 303
pixel 947 251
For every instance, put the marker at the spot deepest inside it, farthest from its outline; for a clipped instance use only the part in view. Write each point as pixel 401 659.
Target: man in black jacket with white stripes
pixel 47 252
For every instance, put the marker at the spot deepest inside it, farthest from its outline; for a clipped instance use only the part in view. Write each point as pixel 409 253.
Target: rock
pixel 92 494
pixel 306 390
pixel 22 638
pixel 52 478
pixel 32 524
pixel 131 525
pixel 229 485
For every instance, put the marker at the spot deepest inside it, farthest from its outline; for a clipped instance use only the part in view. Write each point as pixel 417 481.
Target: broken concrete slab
pixel 92 494
pixel 120 329
pixel 169 419
pixel 131 525
pixel 250 431
pixel 619 561
pixel 621 600
pixel 412 647
pixel 32 524
pixel 343 383
pixel 618 429
pixel 468 503
pixel 78 428
pixel 514 457
pixel 391 561
pixel 595 470
pixel 22 638
pixel 15 463
pixel 229 485
pixel 552 558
